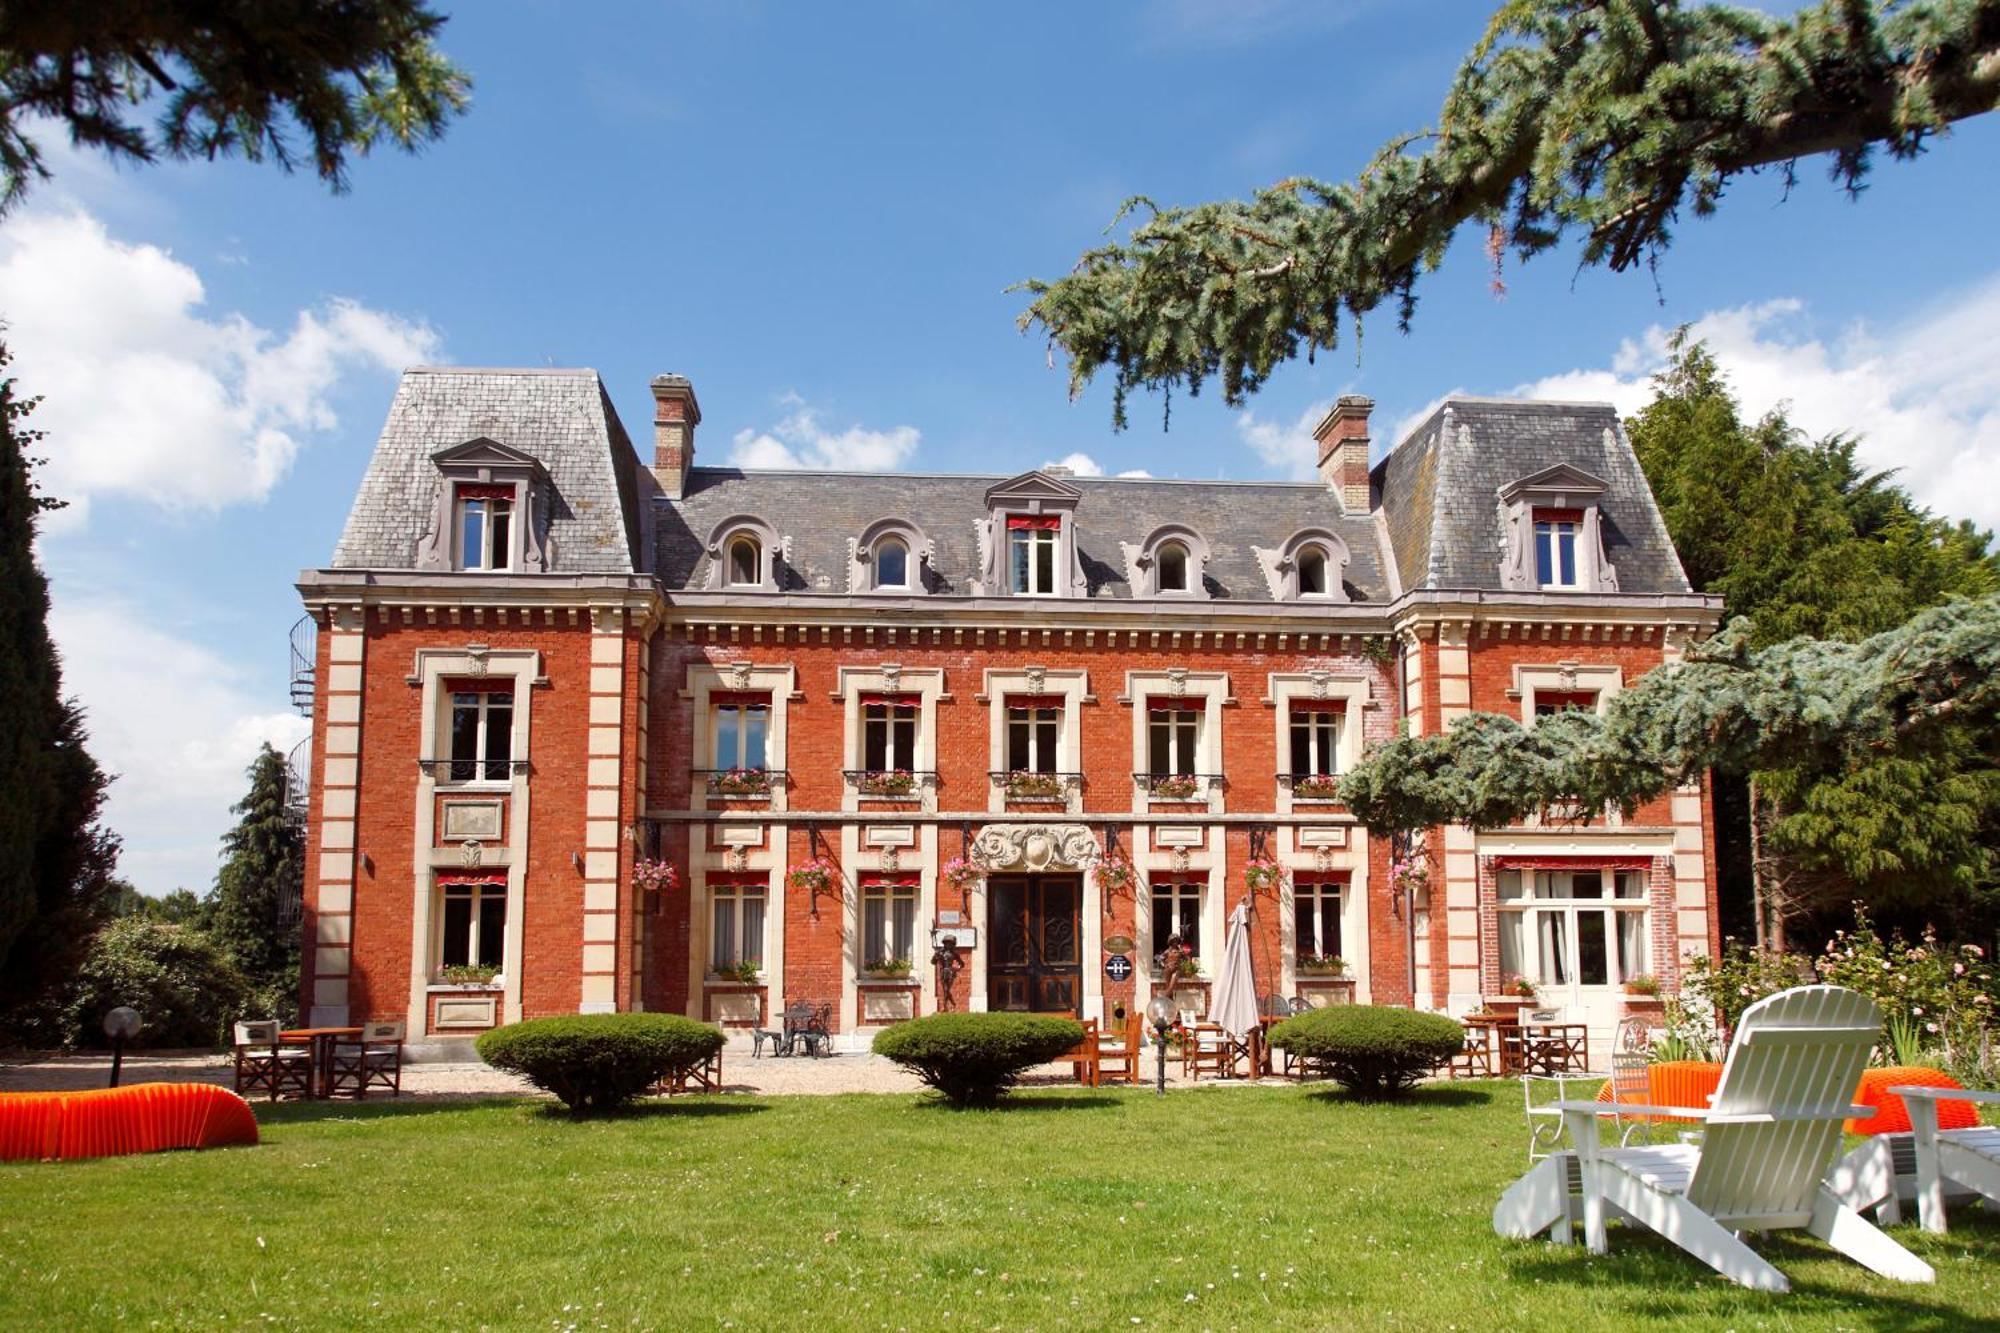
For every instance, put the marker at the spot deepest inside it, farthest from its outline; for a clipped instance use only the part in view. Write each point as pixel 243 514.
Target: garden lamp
pixel 119 1024
pixel 1161 1013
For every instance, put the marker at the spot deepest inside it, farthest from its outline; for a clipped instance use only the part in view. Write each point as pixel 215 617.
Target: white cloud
pixel 1922 394
pixel 145 394
pixel 177 722
pixel 1288 450
pixel 1083 465
pixel 800 441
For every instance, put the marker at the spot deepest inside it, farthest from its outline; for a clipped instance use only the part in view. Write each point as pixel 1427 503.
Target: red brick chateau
pixel 542 661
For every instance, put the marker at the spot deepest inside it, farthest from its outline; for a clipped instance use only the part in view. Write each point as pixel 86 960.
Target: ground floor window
pixel 736 934
pixel 1573 927
pixel 1177 915
pixel 888 922
pixel 475 926
pixel 1316 919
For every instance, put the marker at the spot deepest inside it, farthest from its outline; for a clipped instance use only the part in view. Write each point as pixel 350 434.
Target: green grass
pixel 1285 1206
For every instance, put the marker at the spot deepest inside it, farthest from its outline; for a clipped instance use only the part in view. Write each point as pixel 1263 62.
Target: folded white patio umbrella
pixel 1233 1004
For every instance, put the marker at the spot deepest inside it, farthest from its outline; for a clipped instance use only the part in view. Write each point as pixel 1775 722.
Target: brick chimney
pixel 1342 436
pixel 675 415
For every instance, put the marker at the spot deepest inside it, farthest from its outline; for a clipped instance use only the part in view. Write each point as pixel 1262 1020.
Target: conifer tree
pixel 262 870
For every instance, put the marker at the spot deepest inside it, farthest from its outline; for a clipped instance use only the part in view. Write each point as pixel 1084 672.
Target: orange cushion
pixel 106 1122
pixel 1675 1083
pixel 1891 1116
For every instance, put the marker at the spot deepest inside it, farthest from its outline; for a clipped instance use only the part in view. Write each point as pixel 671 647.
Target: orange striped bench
pixel 109 1122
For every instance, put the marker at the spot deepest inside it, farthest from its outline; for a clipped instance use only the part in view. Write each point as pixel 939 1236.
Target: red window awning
pixel 470 491
pixel 1173 703
pixel 1319 705
pixel 1547 862
pixel 1036 522
pixel 740 698
pixel 1035 701
pixel 888 701
pixel 900 879
pixel 1558 516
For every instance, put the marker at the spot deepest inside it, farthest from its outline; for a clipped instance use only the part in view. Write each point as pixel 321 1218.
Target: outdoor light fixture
pixel 1161 1012
pixel 119 1025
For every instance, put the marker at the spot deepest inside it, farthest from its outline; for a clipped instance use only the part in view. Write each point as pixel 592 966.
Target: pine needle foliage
pixel 1605 118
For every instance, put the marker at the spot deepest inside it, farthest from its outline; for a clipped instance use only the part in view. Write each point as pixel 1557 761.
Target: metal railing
pixel 1177 786
pixel 743 784
pixel 902 784
pixel 1311 786
pixel 472 770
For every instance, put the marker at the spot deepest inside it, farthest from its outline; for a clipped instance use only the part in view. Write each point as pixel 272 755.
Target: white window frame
pixel 1519 921
pixel 1033 721
pixel 733 899
pixel 477 894
pixel 482 764
pixel 882 546
pixel 1323 751
pixel 1038 541
pixel 1204 691
pixel 1559 533
pixel 1328 901
pixel 877 939
pixel 1183 726
pixel 488 559
pixel 729 549
pixel 1186 896
pixel 891 725
pixel 998 685
pixel 927 684
pixel 722 761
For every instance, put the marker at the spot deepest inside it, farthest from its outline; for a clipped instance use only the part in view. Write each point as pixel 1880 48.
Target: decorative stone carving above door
pixel 1035 847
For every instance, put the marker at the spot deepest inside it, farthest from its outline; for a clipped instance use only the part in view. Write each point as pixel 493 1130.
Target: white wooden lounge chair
pixel 1929 1166
pixel 1773 1127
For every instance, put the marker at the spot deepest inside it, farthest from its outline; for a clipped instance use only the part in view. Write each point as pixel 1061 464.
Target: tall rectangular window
pixel 474 930
pixel 1574 927
pixel 1171 733
pixel 888 922
pixel 1550 702
pixel 1555 547
pixel 888 733
pixel 485 527
pixel 1316 918
pixel 1031 552
pixel 736 925
pixel 1177 914
pixel 1032 731
pixel 1315 739
pixel 742 732
pixel 482 735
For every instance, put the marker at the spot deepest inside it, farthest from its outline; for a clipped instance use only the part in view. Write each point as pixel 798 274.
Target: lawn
pixel 1210 1208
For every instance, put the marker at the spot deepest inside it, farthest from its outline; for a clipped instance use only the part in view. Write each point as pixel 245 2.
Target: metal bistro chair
pixel 808 1029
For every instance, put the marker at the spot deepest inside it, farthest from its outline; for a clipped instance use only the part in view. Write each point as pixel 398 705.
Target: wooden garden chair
pixel 373 1061
pixel 1085 1058
pixel 1772 1130
pixel 1928 1165
pixel 1118 1054
pixel 1208 1051
pixel 262 1061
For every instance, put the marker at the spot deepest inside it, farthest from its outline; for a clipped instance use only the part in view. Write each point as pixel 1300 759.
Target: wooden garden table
pixel 321 1040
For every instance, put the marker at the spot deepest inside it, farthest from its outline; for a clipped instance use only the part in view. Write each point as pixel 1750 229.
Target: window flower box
pixel 740 782
pixel 1175 787
pixel 888 782
pixel 1315 787
pixel 1321 965
pixel 888 969
pixel 1023 785
pixel 743 972
pixel 469 974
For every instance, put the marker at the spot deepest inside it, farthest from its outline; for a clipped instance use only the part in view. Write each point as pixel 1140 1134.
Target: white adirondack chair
pixel 1773 1127
pixel 1928 1165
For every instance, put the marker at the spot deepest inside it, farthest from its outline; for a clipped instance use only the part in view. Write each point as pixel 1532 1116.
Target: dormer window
pixel 745 563
pixel 1031 553
pixel 1171 562
pixel 1173 568
pixel 485 527
pixel 1312 572
pixel 892 563
pixel 1555 547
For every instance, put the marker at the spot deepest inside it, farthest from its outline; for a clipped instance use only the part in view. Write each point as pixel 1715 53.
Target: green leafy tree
pixel 182 907
pixel 1601 117
pixel 184 984
pixel 286 81
pixel 56 858
pixel 261 873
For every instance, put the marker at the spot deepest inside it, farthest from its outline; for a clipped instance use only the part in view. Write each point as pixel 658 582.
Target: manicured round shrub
pixel 973 1058
pixel 1371 1050
pixel 593 1062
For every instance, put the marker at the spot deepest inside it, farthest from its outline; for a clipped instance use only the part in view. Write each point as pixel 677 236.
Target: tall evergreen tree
pixel 265 861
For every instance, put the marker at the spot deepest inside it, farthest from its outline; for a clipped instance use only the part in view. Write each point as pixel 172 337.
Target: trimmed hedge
pixel 1372 1050
pixel 593 1062
pixel 973 1058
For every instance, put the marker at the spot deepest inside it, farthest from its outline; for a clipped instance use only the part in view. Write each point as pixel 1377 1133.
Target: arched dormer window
pixel 892 556
pixel 742 554
pixel 1171 562
pixel 1312 566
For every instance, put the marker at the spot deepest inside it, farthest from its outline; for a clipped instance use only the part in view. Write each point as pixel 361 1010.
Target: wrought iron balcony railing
pixel 895 784
pixel 472 770
pixel 1177 786
pixel 742 784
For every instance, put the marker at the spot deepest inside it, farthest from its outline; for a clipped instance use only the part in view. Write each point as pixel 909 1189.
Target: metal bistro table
pixel 322 1041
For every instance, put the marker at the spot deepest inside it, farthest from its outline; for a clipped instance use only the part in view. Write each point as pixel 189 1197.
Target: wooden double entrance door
pixel 1034 957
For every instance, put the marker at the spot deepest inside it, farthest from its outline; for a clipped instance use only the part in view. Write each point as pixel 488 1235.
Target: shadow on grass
pixel 1023 1101
pixel 1662 1282
pixel 1430 1096
pixel 662 1108
pixel 304 1112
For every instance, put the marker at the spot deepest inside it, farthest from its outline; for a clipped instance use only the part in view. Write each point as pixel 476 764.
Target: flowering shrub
pixel 1115 874
pixel 1023 784
pixel 815 876
pixel 1936 1000
pixel 887 782
pixel 1316 787
pixel 960 873
pixel 1263 875
pixel 1175 786
pixel 655 876
pixel 740 782
pixel 1177 961
pixel 1722 988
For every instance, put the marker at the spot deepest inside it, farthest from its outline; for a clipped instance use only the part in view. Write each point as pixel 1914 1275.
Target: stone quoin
pixel 543 663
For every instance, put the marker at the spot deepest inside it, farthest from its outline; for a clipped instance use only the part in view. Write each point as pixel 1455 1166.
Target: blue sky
pixel 815 213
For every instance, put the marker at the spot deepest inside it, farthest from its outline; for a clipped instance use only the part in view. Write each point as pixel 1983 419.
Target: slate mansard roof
pixel 818 514
pixel 1439 490
pixel 562 418
pixel 1440 514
